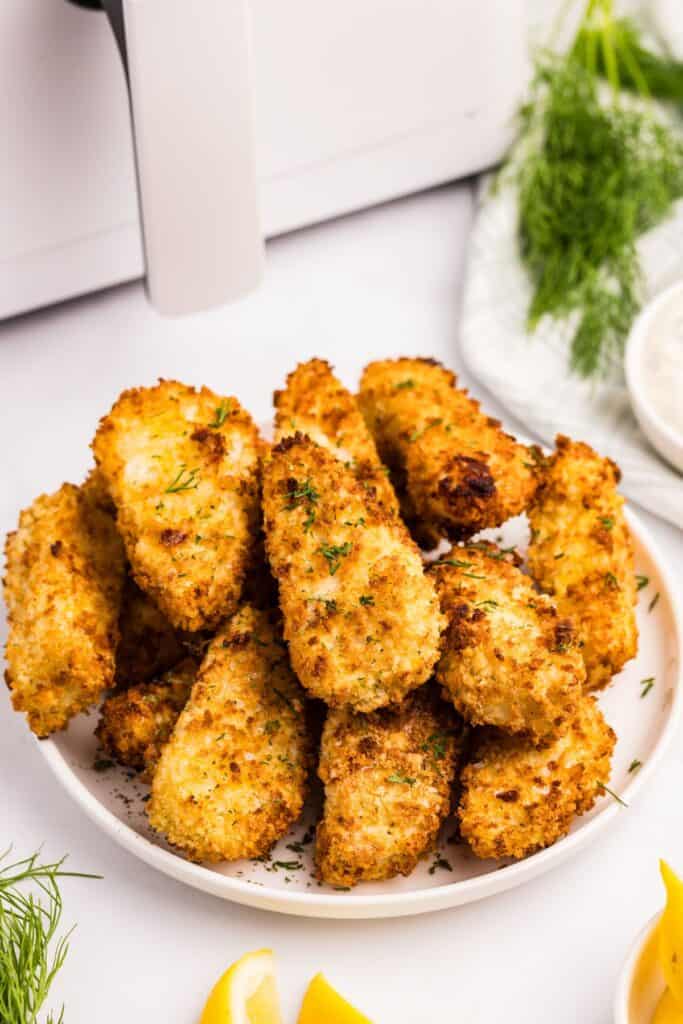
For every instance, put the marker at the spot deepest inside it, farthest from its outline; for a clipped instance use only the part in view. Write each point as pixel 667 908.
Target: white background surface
pixel 377 284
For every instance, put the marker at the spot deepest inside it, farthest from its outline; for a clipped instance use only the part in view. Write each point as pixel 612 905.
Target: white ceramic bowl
pixel 641 982
pixel 664 438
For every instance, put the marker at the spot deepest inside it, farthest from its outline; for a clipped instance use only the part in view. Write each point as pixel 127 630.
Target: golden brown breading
pixel 509 660
pixel 361 618
pixel 135 724
pixel 232 778
pixel 461 472
pixel 95 489
pixel 183 469
pixel 149 645
pixel 581 553
pixel 316 404
pixel 387 778
pixel 65 570
pixel 518 798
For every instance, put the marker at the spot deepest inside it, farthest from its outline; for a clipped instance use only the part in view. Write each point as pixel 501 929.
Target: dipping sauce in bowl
pixel 654 373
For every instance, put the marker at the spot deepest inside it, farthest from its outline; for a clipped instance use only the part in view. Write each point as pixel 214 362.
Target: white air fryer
pixel 172 145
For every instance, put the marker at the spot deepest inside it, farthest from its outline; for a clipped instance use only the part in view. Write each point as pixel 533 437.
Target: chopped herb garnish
pixel 367 599
pixel 612 581
pixel 473 576
pixel 485 546
pixel 334 554
pixel 646 685
pixel 287 865
pixel 330 603
pixel 272 727
pixel 309 520
pixel 299 493
pixel 606 521
pixel 634 766
pixel 560 554
pixel 456 563
pixel 653 602
pixel 102 764
pixel 221 414
pixel 436 745
pixel 642 581
pixel 486 604
pixel 400 777
pixel 440 862
pixel 420 433
pixel 615 796
pixel 403 384
pixel 185 480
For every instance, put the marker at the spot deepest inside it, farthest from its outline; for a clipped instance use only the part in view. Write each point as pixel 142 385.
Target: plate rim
pixel 355 905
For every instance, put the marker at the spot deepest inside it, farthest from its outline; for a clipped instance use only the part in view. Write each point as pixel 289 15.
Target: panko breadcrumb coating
pixel 316 404
pixel 232 778
pixel 182 467
pixel 64 575
pixel 509 660
pixel 361 618
pixel 135 724
pixel 518 798
pixel 149 645
pixel 581 553
pixel 461 472
pixel 388 778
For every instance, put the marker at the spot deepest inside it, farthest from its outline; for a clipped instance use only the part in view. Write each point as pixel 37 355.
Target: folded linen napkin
pixel 529 374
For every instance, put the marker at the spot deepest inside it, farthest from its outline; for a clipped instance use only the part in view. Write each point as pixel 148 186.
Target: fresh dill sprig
pixel 221 413
pixel 620 57
pixel 592 175
pixel 334 553
pixel 29 919
pixel 184 480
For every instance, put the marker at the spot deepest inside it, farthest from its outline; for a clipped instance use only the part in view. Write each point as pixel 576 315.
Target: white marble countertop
pixel 380 283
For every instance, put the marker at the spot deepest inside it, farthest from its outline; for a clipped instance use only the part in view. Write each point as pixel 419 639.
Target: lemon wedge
pixel 671 932
pixel 668 1011
pixel 246 993
pixel 323 1005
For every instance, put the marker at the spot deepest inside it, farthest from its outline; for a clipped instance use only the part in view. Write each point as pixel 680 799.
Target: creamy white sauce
pixel 662 362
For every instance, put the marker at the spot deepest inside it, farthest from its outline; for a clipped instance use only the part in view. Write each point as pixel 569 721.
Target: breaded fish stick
pixel 387 778
pixel 135 724
pixel 64 576
pixel 509 660
pixel 361 618
pixel 182 467
pixel 316 404
pixel 461 472
pixel 232 778
pixel 581 553
pixel 149 645
pixel 518 798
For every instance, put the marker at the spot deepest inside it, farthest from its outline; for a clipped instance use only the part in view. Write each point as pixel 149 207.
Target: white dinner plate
pixel 115 799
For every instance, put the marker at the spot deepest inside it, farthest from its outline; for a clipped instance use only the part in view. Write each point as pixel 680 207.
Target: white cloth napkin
pixel 529 374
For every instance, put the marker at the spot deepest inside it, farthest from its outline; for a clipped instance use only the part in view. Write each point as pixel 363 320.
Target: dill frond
pixel 30 953
pixel 592 176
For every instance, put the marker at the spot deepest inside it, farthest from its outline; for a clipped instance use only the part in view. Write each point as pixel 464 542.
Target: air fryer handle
pixel 187 65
